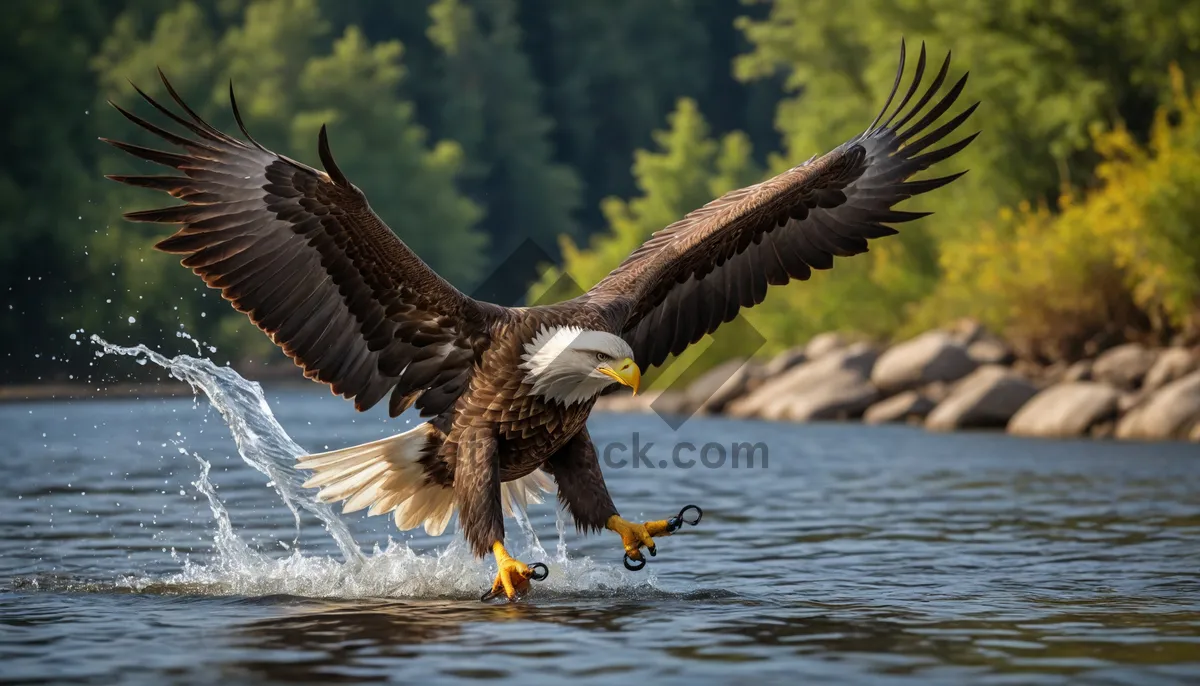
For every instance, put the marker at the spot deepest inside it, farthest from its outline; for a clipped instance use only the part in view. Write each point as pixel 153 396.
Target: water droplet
pixel 132 320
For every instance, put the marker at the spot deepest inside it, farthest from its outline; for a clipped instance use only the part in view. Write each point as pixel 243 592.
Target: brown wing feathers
pixel 302 254
pixel 697 273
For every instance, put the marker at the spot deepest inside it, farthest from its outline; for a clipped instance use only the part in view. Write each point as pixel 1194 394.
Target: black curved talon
pixel 629 563
pixel 533 574
pixel 674 523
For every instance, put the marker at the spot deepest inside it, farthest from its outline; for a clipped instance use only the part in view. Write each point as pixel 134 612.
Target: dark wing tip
pixel 327 160
pixel 895 86
pixel 237 116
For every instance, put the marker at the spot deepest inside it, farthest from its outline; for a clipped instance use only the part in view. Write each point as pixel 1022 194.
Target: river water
pixel 166 541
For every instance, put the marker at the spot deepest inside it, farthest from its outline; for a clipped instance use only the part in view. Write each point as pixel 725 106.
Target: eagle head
pixel 567 364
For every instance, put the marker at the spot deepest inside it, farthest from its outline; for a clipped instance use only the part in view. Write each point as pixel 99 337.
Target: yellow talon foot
pixel 512 575
pixel 635 536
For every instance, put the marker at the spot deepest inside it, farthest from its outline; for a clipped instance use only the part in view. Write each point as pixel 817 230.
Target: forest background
pixel 557 136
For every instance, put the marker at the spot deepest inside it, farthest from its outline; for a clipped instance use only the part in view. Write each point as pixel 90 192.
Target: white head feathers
pixel 561 362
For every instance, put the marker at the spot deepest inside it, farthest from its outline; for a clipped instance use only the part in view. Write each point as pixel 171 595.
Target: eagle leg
pixel 634 536
pixel 512 575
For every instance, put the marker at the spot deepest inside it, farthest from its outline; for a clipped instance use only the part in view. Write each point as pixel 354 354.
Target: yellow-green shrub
pixel 1114 262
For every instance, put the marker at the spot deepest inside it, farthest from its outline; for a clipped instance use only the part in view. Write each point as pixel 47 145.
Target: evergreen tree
pixel 492 107
pixel 47 189
pixel 688 169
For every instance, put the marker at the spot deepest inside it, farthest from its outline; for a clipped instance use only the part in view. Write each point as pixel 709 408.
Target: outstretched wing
pixel 301 253
pixel 695 274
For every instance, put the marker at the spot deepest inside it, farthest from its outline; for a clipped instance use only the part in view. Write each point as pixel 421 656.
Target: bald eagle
pixel 507 391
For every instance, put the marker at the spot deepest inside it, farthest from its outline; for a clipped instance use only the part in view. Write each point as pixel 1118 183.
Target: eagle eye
pixel 602 357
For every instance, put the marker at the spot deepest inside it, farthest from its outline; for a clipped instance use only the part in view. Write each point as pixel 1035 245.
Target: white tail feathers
pixel 386 476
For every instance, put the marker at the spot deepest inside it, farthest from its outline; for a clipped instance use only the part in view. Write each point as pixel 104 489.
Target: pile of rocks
pixel 959 378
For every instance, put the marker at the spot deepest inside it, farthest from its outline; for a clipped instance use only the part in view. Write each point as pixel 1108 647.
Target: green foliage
pixel 1121 260
pixel 491 106
pixel 473 124
pixel 49 195
pixel 688 170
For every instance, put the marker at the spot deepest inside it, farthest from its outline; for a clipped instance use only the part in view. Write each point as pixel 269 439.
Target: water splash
pixel 394 571
pixel 261 441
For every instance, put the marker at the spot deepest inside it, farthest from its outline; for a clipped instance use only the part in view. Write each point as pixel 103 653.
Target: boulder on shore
pixel 720 385
pixel 988 398
pixel 623 402
pixel 834 386
pixel 932 356
pixel 1172 364
pixel 966 330
pixel 990 350
pixel 899 408
pixel 1171 412
pixel 823 344
pixel 1124 366
pixel 1080 371
pixel 792 357
pixel 844 395
pixel 1068 409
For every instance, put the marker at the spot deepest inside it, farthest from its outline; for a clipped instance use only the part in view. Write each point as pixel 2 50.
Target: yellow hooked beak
pixel 624 372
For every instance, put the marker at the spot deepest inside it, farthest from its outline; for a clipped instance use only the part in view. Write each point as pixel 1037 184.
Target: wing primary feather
pixel 927 95
pixel 936 111
pixel 912 88
pixel 237 116
pixel 190 112
pixel 210 134
pixel 167 159
pixel 895 87
pixel 167 184
pixel 930 158
pixel 912 188
pixel 940 132
pixel 161 132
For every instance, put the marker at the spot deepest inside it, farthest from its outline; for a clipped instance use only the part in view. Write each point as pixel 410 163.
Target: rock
pixel 1170 412
pixel 834 385
pixel 966 330
pixel 1130 400
pixel 1029 369
pixel 1053 373
pixel 899 408
pixel 622 402
pixel 930 357
pixel 1068 409
pixel 1080 371
pixel 719 385
pixel 845 395
pixel 989 397
pixel 1172 363
pixel 1124 366
pixel 824 343
pixel 937 391
pixel 782 362
pixel 989 350
pixel 671 402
